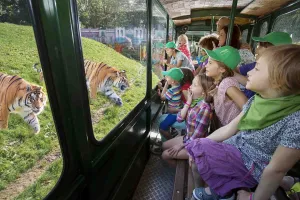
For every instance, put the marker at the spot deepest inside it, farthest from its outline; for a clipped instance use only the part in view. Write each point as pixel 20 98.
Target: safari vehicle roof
pixel 187 12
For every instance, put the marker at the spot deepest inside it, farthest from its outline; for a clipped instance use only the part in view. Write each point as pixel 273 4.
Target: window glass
pixel 289 23
pixel 263 29
pixel 114 36
pixel 30 156
pixel 171 31
pixel 158 36
pixel 244 36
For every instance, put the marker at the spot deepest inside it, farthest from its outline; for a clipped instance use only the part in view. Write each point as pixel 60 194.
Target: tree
pixel 14 11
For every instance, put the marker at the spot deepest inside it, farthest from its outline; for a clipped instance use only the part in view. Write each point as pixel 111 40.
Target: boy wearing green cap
pixel 178 59
pixel 228 99
pixel 271 39
pixel 173 95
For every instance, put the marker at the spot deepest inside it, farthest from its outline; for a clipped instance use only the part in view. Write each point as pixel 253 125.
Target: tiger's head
pixel 35 99
pixel 122 82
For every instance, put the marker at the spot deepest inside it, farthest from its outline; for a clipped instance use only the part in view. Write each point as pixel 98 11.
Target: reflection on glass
pixel 114 39
pixel 158 36
pixel 263 29
pixel 244 36
pixel 289 23
pixel 28 139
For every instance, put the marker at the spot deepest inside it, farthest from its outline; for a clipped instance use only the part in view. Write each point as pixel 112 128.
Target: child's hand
pixel 159 85
pixel 175 149
pixel 165 61
pixel 190 96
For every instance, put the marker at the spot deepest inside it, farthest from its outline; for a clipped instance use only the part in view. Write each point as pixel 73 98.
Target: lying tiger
pixel 101 77
pixel 20 97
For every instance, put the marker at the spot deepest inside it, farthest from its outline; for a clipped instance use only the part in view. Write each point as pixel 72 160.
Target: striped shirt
pixel 173 95
pixel 197 121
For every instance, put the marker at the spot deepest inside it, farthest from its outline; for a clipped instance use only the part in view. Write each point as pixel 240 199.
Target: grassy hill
pixel 20 149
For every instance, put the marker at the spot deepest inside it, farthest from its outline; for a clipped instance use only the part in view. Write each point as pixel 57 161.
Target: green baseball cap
pixel 174 73
pixel 171 45
pixel 275 38
pixel 226 54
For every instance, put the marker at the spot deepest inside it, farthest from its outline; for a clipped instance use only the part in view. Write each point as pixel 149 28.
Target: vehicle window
pixel 244 36
pixel 30 155
pixel 114 44
pixel 263 29
pixel 289 23
pixel 158 36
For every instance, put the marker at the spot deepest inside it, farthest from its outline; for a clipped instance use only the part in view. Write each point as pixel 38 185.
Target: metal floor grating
pixel 157 181
pixel 158 177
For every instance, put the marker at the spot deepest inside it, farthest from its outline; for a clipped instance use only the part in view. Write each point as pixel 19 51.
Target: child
pixel 206 42
pixel 271 39
pixel 196 112
pixel 228 99
pixel 260 145
pixel 173 95
pixel 178 59
pixel 186 82
pixel 183 45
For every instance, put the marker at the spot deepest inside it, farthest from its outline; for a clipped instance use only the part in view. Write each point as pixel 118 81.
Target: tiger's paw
pixel 36 130
pixel 118 101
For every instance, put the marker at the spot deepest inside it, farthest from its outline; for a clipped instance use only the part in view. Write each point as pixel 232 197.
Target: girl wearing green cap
pixel 178 59
pixel 228 99
pixel 262 143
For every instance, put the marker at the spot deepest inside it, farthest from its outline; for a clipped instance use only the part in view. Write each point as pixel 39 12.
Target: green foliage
pixel 14 11
pixel 112 13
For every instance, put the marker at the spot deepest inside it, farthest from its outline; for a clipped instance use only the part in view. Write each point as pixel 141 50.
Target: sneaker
pixel 156 150
pixel 200 194
pixel 174 132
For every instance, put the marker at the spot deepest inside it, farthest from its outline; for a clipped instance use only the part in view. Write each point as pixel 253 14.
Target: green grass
pixel 44 184
pixel 20 149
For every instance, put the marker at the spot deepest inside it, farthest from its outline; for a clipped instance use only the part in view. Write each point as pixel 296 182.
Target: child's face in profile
pixel 258 78
pixel 212 69
pixel 202 52
pixel 170 80
pixel 196 88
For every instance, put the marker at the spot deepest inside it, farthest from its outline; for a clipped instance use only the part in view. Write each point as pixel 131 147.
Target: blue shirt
pixel 244 69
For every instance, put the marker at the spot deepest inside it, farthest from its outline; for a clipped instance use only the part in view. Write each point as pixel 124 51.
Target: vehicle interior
pixel 103 146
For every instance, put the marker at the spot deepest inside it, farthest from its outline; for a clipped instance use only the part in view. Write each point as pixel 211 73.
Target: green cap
pixel 275 38
pixel 226 54
pixel 171 45
pixel 174 73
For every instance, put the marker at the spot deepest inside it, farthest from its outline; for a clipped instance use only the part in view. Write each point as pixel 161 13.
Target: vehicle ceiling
pixel 184 12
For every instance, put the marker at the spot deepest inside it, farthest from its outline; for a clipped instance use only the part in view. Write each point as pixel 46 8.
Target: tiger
pixel 101 77
pixel 20 97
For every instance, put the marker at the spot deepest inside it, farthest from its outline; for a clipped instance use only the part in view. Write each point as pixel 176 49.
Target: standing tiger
pixel 19 96
pixel 101 77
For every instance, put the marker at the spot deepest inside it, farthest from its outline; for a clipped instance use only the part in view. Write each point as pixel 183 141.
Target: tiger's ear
pixel 123 72
pixel 34 87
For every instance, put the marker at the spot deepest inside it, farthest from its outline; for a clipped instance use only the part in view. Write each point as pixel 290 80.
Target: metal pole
pixel 212 24
pixel 149 49
pixel 232 16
